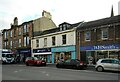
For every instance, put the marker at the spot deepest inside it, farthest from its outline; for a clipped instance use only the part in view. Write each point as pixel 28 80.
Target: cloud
pixel 62 10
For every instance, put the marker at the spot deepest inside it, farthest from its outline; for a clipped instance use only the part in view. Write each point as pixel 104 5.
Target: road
pixel 22 72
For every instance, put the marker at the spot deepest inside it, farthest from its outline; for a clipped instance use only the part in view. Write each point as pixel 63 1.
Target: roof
pixel 100 22
pixel 38 33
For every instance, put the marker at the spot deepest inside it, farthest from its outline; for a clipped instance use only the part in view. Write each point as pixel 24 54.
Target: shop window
pixel 63 39
pixel 104 34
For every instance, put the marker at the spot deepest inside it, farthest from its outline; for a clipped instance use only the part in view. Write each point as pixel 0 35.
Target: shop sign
pixel 25 51
pixel 101 47
pixel 63 49
pixel 42 50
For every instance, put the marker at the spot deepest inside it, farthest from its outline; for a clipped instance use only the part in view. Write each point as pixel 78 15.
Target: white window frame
pixel 103 31
pixel 87 37
pixel 53 41
pixel 45 41
pixel 19 42
pixel 24 41
pixel 64 39
pixel 37 42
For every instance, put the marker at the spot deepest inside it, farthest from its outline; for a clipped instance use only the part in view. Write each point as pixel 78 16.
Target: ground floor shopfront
pixel 22 54
pixel 43 53
pixel 92 53
pixel 63 53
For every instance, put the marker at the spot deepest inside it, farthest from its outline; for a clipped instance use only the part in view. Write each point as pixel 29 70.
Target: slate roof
pixel 39 33
pixel 100 22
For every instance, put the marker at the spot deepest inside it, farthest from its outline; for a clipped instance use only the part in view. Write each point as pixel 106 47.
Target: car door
pixel 67 63
pixel 115 65
pixel 106 64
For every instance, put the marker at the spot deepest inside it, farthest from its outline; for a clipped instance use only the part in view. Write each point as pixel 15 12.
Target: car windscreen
pixel 7 55
pixel 35 58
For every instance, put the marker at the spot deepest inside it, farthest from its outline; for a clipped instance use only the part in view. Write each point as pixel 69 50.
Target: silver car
pixel 108 64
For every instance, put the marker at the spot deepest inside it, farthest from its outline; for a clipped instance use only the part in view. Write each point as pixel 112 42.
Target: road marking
pixel 15 71
pixel 47 74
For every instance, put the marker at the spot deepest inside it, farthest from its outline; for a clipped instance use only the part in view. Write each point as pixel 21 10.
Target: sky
pixel 71 11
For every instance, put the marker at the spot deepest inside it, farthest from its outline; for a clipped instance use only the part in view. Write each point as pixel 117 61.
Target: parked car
pixel 108 64
pixel 34 61
pixel 72 63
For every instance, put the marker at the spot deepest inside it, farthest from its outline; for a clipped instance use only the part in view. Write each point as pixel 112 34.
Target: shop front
pixel 22 54
pixel 43 53
pixel 63 53
pixel 92 53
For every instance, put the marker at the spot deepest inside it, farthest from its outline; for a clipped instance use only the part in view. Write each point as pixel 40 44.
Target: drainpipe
pixel 77 41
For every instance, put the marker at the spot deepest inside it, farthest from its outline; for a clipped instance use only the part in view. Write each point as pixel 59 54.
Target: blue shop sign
pixel 63 49
pixel 101 47
pixel 24 51
pixel 42 50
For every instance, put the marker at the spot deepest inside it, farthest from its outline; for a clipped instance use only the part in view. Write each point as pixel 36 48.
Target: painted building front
pixel 60 41
pixel 63 53
pixel 44 53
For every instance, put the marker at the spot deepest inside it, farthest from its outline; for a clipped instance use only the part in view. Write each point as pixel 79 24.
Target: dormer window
pixel 61 28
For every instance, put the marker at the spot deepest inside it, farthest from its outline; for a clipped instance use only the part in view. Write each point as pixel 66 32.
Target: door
pixel 115 65
pixel 106 64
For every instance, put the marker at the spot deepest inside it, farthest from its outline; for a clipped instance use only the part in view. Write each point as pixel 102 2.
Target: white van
pixel 7 56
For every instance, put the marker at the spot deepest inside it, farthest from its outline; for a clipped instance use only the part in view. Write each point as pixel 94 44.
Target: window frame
pixel 87 36
pixel 104 31
pixel 64 39
pixel 53 41
pixel 45 42
pixel 37 42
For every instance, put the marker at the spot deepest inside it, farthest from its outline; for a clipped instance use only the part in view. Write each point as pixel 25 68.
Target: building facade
pixel 99 39
pixel 56 44
pixel 43 23
pixel 0 45
pixel 18 38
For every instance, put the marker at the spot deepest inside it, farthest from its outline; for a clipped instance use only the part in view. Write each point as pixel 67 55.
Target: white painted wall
pixel 70 37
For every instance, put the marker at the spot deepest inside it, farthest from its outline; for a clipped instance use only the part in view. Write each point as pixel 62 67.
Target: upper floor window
pixel 87 36
pixel 24 41
pixel 37 43
pixel 19 31
pixel 11 44
pixel 28 40
pixel 53 40
pixel 19 43
pixel 104 33
pixel 11 33
pixel 14 32
pixel 15 43
pixel 5 35
pixel 25 28
pixel 45 41
pixel 5 45
pixel 63 39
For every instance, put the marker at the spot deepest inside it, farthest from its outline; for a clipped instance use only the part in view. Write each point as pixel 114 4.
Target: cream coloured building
pixel 56 44
pixel 43 23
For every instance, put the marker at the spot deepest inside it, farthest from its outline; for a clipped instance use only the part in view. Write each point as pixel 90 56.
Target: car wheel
pixel 27 64
pixel 58 66
pixel 100 68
